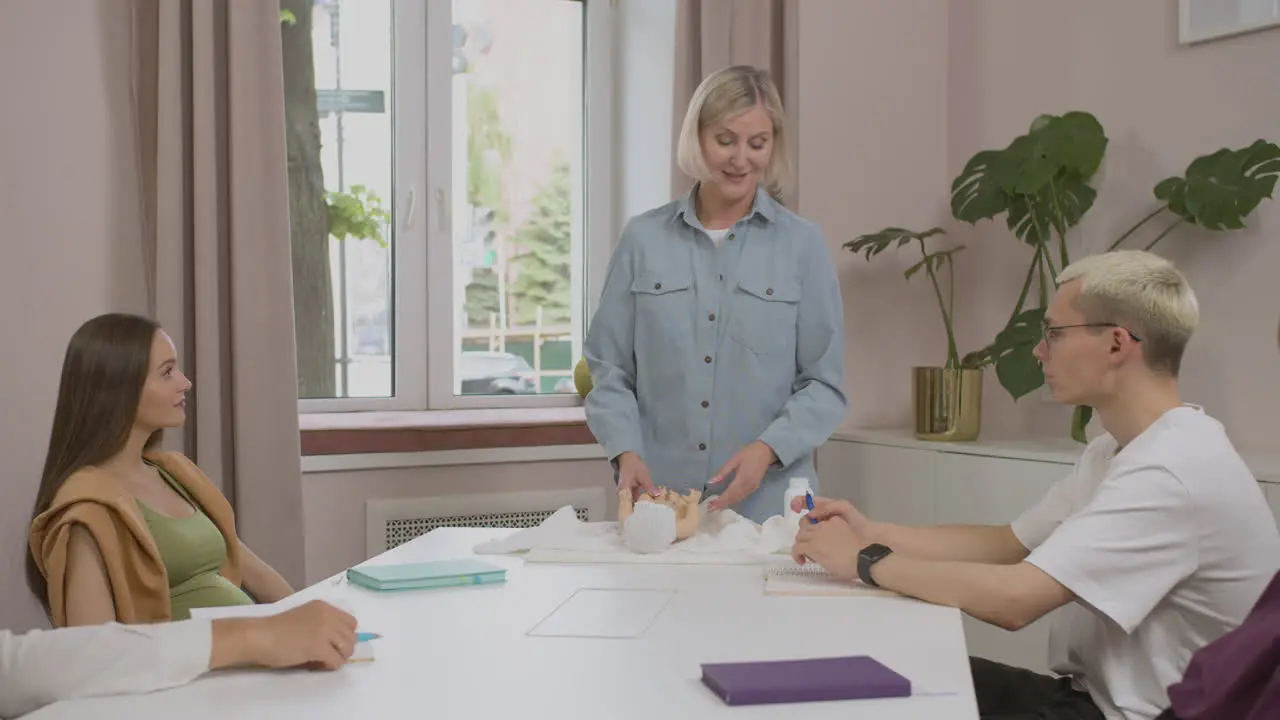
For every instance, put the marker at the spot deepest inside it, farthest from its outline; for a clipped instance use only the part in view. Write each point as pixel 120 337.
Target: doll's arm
pixel 626 503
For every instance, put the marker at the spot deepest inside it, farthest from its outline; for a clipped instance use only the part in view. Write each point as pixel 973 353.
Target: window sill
pixel 359 433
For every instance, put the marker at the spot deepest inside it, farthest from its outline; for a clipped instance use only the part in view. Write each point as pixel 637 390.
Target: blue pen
pixel 366 636
pixel 808 500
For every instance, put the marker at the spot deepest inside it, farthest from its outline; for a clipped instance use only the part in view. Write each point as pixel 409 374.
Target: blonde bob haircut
pixel 1142 293
pixel 722 96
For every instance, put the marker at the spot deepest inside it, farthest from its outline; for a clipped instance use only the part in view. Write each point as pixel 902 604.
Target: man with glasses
pixel 1158 542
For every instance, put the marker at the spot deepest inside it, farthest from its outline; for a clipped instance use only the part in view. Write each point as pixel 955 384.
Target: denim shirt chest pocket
pixel 664 302
pixel 765 307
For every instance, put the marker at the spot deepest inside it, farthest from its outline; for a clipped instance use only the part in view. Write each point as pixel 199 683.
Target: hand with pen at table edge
pixel 833 537
pixel 316 635
pixel 980 569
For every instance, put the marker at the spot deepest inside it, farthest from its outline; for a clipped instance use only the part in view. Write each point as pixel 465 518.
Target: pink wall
pixel 873 152
pixel 69 213
pixel 895 98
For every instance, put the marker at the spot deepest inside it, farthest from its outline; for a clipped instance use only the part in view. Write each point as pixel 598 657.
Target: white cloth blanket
pixel 724 538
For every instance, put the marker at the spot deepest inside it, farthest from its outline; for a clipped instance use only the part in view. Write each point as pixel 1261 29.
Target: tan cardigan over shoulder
pixel 102 504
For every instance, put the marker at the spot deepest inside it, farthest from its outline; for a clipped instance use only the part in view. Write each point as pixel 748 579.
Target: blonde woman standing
pixel 717 353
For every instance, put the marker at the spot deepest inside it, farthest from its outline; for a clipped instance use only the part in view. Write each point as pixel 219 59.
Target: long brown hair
pixel 103 374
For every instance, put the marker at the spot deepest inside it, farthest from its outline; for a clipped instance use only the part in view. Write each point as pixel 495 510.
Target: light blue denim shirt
pixel 697 351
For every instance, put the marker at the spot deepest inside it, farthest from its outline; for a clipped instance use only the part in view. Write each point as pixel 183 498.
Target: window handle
pixel 442 209
pixel 413 207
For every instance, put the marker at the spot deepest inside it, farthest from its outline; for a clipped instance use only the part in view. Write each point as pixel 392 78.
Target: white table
pixel 461 653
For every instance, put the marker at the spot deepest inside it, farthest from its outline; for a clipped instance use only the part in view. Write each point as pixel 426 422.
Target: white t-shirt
pixel 1167 544
pixel 718 236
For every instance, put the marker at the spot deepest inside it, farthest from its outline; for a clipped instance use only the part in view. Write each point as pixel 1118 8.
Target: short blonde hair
pixel 724 95
pixel 1143 293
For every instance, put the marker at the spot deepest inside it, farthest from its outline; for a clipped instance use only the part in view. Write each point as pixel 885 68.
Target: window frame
pixel 424 335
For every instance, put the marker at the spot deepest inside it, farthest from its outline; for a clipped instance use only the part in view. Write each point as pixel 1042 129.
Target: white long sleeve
pixel 46 666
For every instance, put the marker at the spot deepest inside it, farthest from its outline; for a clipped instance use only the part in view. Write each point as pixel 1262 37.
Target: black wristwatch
pixel 869 556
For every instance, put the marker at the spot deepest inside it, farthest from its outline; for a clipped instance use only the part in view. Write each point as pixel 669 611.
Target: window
pixel 448 161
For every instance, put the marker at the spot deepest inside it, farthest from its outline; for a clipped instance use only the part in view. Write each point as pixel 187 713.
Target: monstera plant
pixel 1040 184
pixel 1217 192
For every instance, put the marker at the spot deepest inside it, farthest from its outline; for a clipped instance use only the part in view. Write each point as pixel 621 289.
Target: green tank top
pixel 193 551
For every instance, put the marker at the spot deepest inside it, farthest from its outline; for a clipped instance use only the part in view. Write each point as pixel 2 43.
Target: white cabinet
pixel 846 469
pixel 973 489
pixel 1273 499
pixel 893 477
pixel 979 490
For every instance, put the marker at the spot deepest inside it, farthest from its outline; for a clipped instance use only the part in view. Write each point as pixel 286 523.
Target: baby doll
pixel 651 523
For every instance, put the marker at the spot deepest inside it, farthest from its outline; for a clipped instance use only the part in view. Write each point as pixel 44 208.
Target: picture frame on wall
pixel 1204 20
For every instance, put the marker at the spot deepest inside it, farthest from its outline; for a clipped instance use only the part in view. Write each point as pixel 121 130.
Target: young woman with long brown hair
pixel 121 530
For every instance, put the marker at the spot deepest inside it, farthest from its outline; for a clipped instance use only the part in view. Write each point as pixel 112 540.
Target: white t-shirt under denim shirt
pixel 1166 544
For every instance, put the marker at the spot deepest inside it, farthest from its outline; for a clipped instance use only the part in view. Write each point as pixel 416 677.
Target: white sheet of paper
pixel 604 613
pixel 234 611
pixel 362 652
pixel 267 609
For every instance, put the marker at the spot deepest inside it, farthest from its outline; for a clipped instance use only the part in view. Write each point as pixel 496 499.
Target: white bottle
pixel 798 488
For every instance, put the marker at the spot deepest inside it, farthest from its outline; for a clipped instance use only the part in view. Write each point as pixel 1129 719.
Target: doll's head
pixel 651 523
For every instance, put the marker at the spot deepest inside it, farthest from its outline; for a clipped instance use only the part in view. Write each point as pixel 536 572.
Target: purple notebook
pixel 787 681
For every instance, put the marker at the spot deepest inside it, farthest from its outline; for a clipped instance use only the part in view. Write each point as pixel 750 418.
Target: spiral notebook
pixel 812 580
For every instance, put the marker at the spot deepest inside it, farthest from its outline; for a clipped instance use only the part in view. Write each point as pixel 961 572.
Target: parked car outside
pixel 496 373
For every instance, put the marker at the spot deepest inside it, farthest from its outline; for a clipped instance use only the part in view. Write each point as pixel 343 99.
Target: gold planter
pixel 947 404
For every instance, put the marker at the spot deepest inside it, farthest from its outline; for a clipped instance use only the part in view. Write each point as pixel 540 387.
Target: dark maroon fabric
pixel 1237 676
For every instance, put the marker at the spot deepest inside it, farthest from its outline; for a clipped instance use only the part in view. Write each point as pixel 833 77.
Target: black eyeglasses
pixel 1051 332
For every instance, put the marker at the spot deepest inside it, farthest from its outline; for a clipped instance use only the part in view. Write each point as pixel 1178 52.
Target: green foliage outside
pixel 544 266
pixel 357 213
pixel 488 151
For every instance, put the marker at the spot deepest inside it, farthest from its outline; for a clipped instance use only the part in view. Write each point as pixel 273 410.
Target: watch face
pixel 875 552
pixel 869 556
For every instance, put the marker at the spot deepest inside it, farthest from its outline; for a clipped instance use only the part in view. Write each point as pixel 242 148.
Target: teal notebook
pixel 413 576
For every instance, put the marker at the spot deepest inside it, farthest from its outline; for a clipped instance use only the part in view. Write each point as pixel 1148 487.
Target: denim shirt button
pixel 702 446
pixel 707 359
pixel 657 286
pixel 768 291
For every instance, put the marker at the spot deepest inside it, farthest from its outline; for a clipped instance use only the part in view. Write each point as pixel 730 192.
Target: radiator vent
pixel 394 521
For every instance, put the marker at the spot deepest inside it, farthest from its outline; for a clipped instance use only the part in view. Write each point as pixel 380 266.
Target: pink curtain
pixel 714 34
pixel 208 96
